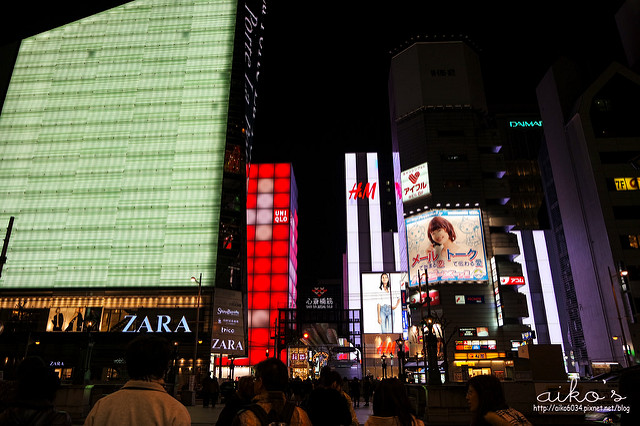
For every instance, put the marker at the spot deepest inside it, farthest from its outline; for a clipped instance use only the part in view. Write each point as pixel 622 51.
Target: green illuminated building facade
pixel 123 144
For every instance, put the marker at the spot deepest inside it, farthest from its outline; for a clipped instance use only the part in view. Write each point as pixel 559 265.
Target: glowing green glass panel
pixel 112 140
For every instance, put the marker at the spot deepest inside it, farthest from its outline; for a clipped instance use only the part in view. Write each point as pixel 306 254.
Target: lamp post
pixel 432 371
pixel 400 346
pixel 195 345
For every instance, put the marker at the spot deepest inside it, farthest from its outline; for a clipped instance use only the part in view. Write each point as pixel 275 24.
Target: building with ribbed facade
pixel 124 141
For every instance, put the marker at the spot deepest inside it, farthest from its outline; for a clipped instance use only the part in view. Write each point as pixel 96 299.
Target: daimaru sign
pixel 525 123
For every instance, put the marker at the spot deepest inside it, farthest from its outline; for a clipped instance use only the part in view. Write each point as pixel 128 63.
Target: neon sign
pixel 525 123
pixel 280 216
pixel 626 184
pixel 512 280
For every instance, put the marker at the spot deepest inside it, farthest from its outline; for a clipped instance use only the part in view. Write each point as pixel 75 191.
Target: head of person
pixel 384 281
pixel 245 388
pixel 440 227
pixel 36 380
pixel 330 378
pixel 390 399
pixel 148 357
pixel 271 375
pixel 484 394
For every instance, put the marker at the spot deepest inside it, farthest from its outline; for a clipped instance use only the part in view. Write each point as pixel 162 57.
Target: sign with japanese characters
pixel 319 300
pixel 518 280
pixel 446 246
pixel 415 183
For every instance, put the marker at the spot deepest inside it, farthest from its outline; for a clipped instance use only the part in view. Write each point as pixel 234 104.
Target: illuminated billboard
pixel 446 246
pixel 382 302
pixel 415 183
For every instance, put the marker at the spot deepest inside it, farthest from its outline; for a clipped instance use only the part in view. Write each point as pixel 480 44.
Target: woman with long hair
pixel 488 405
pixel 384 307
pixel 391 406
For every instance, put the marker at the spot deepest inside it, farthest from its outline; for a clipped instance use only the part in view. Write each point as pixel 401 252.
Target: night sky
pixel 324 80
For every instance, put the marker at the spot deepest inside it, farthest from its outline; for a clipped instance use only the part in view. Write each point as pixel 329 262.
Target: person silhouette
pixel 33 403
pixel 142 399
pixel 58 320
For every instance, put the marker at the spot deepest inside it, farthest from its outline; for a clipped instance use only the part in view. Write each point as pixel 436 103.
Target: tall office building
pixel 592 170
pixel 450 170
pixel 124 140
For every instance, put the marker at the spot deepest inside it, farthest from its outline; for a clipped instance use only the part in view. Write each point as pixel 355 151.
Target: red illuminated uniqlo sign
pixel 512 280
pixel 281 216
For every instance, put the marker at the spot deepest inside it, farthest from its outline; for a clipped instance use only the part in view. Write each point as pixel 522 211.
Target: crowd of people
pixel 268 397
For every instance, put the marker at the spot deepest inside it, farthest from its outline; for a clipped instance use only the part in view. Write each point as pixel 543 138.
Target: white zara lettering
pixel 162 325
pixel 227 344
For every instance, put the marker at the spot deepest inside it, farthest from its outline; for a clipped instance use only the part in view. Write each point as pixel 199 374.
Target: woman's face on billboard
pixel 385 280
pixel 440 236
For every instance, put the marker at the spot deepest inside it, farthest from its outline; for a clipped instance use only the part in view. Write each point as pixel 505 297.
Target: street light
pixel 430 344
pixel 195 346
pixel 400 347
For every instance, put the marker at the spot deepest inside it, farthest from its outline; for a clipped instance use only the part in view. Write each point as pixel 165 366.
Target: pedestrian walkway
pixel 204 416
pixel 207 416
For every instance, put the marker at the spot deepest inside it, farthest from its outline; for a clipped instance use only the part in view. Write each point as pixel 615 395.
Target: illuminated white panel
pixel 258 318
pixel 265 186
pixel 264 216
pixel 402 233
pixel 264 201
pixel 375 215
pixel 396 252
pixel 353 250
pixel 525 289
pixel 264 232
pixel 251 216
pixel 548 293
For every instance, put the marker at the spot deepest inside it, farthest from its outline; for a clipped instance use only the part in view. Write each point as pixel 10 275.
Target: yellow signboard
pixel 626 184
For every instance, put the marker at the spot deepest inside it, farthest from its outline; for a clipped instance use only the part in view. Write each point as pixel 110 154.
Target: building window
pixel 630 241
pixel 450 133
pixel 626 212
pixel 449 184
pixel 453 157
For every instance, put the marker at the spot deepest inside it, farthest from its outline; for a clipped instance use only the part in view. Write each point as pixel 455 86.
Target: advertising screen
pixel 382 302
pixel 446 246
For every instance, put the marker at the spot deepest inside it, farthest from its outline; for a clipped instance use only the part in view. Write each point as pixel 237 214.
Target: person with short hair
pixel 143 399
pixel 488 405
pixel 270 403
pixel 329 393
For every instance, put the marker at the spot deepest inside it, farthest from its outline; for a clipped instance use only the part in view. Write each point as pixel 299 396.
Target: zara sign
pixel 161 324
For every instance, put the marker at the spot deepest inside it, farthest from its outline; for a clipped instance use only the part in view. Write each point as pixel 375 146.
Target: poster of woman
pixel 446 246
pixel 382 302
